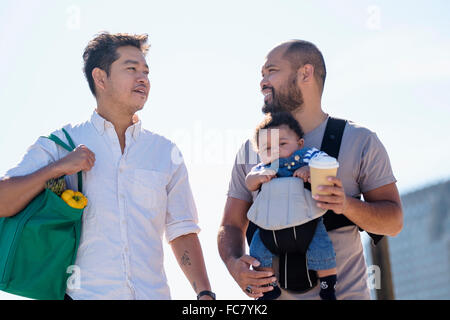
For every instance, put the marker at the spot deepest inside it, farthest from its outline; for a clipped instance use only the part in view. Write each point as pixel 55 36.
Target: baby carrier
pixel 291 244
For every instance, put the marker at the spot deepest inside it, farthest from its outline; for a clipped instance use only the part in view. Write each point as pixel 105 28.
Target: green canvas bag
pixel 38 244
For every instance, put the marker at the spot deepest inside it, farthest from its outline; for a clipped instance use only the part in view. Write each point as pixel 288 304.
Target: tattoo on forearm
pixel 194 285
pixel 185 260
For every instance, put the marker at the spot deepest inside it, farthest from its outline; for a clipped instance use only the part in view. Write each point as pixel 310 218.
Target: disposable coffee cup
pixel 321 168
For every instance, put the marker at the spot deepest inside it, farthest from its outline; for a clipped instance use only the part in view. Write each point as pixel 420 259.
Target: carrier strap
pixel 331 144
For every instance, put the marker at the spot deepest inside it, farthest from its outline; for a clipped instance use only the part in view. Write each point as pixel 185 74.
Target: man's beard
pixel 287 99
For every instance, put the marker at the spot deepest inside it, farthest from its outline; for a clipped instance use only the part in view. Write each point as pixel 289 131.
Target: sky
pixel 388 69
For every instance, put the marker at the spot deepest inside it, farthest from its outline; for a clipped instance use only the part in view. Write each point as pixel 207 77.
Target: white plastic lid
pixel 324 162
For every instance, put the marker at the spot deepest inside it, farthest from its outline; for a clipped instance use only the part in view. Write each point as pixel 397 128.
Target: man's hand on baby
pixel 302 173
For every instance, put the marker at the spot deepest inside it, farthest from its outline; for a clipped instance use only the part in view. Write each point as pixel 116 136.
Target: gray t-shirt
pixel 363 166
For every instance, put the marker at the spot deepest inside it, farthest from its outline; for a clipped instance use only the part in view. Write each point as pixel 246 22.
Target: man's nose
pixel 143 78
pixel 264 82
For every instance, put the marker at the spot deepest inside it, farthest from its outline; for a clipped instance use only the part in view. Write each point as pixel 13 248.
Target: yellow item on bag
pixel 74 199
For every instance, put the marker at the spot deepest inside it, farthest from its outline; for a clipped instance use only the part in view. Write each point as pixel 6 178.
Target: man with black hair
pixel 136 191
pixel 293 78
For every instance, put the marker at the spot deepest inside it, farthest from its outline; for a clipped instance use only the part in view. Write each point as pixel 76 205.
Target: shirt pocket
pixel 149 190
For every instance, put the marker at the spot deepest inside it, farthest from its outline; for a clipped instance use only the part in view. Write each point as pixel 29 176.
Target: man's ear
pixel 99 77
pixel 306 73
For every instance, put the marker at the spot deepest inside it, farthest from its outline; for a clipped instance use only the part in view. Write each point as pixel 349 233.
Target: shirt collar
pixel 100 124
pixel 136 127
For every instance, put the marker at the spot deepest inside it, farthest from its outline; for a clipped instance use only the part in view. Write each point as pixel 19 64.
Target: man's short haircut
pixel 301 52
pixel 101 52
pixel 274 120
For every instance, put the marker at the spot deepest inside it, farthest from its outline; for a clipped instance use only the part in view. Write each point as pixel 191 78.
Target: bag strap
pixel 69 138
pixel 331 144
pixel 70 148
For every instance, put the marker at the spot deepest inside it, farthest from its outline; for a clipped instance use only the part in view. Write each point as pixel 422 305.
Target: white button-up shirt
pixel 133 199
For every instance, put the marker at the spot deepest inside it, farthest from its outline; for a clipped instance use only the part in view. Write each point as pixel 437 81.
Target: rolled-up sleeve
pixel 376 170
pixel 181 216
pixel 237 187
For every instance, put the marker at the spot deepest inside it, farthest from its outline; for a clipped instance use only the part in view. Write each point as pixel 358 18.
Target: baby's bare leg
pixel 326 273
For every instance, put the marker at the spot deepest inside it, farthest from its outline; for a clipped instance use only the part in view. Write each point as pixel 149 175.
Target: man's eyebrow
pixel 133 62
pixel 268 66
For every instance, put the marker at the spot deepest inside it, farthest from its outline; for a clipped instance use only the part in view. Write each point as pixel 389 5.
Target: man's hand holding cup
pixel 326 188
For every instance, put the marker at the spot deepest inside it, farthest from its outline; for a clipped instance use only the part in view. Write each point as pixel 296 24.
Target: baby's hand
pixel 255 179
pixel 302 173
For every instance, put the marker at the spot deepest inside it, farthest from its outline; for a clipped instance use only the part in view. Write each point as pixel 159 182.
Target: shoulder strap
pixel 58 141
pixel 331 144
pixel 69 138
pixel 62 144
pixel 332 137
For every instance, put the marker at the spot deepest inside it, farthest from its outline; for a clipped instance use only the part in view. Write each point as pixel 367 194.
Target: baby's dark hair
pixel 276 119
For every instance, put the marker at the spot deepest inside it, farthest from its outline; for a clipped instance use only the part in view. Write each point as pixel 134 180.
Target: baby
pixel 291 160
